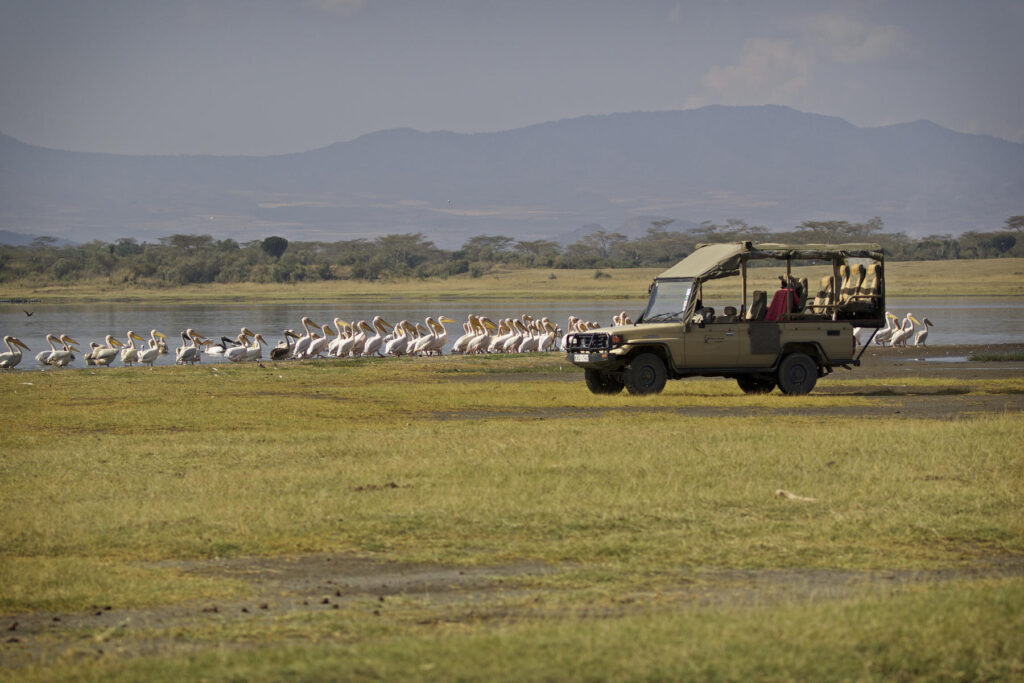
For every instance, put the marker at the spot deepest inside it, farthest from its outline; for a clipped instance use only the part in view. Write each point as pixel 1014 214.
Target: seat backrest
pixel 728 315
pixel 869 288
pixel 758 305
pixel 852 277
pixel 802 296
pixel 824 292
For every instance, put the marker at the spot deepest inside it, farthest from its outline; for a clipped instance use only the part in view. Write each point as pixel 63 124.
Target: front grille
pixel 589 341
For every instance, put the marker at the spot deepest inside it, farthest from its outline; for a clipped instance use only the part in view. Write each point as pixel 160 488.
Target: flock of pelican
pixel 364 338
pixel 896 333
pixel 343 339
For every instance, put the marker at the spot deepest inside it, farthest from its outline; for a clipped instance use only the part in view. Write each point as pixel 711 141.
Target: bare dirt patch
pixel 293 586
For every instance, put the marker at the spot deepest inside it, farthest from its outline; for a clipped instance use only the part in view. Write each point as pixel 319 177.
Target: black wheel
pixel 645 375
pixel 602 382
pixel 755 385
pixel 797 374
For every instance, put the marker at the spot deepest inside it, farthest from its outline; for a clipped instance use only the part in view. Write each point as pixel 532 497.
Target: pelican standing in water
pixel 237 353
pixel 149 355
pixel 903 332
pixel 303 342
pixel 130 354
pixel 255 350
pixel 13 356
pixel 317 346
pixel 922 335
pixel 105 355
pixel 375 332
pixel 43 357
pixel 468 329
pixel 885 334
pixel 190 351
pixel 63 356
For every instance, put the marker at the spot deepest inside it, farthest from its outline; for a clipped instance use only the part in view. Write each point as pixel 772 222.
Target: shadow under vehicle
pixel 787 341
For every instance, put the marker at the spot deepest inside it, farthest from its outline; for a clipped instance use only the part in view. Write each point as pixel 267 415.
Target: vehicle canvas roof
pixel 712 261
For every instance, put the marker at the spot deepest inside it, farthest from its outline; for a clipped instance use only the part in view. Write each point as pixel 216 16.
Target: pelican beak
pixel 916 321
pixel 20 343
pixel 386 324
pixel 135 336
pixel 445 319
pixel 489 324
pixel 67 340
pixel 162 336
pixel 116 342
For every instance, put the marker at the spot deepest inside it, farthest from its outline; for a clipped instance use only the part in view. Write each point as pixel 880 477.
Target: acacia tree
pixel 274 246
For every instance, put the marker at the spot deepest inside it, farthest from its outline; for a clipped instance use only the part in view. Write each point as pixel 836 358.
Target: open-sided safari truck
pixel 788 339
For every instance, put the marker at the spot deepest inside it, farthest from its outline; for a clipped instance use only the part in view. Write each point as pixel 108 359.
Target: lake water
pixel 957 320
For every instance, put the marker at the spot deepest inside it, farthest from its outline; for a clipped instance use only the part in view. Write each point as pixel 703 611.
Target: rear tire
pixel 755 385
pixel 797 374
pixel 646 374
pixel 602 382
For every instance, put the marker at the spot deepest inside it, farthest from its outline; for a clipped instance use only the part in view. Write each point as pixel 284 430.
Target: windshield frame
pixel 665 304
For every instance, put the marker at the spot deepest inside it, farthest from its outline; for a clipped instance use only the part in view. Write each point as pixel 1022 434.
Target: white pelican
pixel 218 348
pixel 284 347
pixel 90 355
pixel 550 333
pixel 255 350
pixel 531 340
pixel 922 335
pixel 237 354
pixel 373 342
pixel 43 357
pixel 130 354
pixel 340 329
pixel 191 351
pixel 105 355
pixel 902 334
pixel 885 334
pixel 469 331
pixel 398 345
pixel 441 336
pixel 149 355
pixel 303 342
pixel 482 341
pixel 62 357
pixel 13 357
pixel 317 346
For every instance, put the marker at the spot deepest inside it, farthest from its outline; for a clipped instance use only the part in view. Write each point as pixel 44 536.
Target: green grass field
pixel 655 519
pixel 991 277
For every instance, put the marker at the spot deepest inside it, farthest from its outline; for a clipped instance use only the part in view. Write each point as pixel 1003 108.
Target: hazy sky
pixel 275 76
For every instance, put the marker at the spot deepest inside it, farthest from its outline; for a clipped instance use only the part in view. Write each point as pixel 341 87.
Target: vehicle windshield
pixel 669 299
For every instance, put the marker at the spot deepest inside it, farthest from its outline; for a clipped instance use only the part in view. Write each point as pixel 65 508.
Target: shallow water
pixel 957 320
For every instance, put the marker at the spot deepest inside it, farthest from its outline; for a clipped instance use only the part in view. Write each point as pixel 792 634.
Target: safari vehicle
pixel 789 341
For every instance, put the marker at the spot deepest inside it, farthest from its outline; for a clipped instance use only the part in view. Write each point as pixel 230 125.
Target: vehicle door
pixel 711 345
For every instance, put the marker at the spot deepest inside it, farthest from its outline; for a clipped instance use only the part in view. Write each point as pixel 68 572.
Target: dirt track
pixel 292 586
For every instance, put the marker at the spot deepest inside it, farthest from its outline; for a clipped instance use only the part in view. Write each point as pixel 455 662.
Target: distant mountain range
pixel 768 165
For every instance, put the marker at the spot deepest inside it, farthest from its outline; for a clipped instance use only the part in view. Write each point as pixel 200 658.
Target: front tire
pixel 602 382
pixel 646 374
pixel 797 374
pixel 755 385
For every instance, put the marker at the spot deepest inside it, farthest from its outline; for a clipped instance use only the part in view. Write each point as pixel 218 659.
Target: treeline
pixel 185 259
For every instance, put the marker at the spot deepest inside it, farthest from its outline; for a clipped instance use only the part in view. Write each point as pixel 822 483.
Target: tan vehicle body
pixel 788 345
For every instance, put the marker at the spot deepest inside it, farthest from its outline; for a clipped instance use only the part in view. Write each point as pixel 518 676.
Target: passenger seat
pixel 758 306
pixel 852 278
